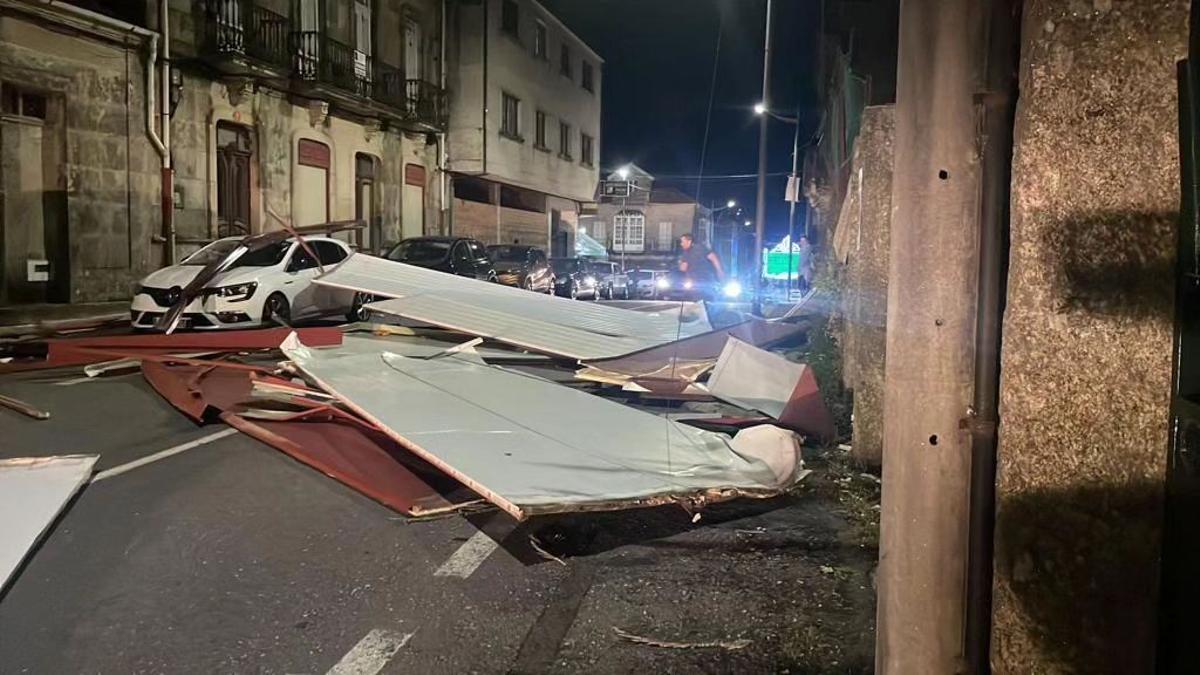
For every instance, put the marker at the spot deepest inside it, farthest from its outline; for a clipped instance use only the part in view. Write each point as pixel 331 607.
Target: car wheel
pixel 276 310
pixel 358 310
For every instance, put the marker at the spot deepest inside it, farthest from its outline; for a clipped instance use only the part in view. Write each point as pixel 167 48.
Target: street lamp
pixel 623 173
pixel 759 108
pixel 730 204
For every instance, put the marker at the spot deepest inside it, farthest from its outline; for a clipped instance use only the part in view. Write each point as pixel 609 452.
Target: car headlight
pixel 732 289
pixel 688 284
pixel 589 280
pixel 237 292
pixel 662 283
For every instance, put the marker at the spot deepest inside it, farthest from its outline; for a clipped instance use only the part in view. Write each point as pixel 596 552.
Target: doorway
pixel 234 161
pixel 412 202
pixel 34 251
pixel 366 203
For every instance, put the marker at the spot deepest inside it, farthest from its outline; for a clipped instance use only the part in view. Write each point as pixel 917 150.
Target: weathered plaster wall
pixel 1086 356
pixel 111 172
pixel 277 125
pixel 861 241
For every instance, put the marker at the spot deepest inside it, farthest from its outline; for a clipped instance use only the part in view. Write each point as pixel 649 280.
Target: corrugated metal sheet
pixel 570 328
pixel 528 445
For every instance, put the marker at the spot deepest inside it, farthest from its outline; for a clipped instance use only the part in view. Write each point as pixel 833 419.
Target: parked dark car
pixel 611 280
pixel 681 286
pixel 457 255
pixel 573 279
pixel 522 266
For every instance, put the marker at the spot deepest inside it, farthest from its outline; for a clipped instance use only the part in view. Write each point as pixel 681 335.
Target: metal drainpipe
pixel 996 104
pixel 168 190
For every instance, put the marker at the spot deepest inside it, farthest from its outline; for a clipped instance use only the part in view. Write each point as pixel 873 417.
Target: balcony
pixel 331 69
pixel 418 103
pixel 243 38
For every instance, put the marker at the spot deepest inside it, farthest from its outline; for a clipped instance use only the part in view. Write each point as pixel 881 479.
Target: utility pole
pixel 760 209
pixel 792 205
pixel 947 196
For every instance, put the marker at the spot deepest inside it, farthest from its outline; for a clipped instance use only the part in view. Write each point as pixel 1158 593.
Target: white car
pixel 274 281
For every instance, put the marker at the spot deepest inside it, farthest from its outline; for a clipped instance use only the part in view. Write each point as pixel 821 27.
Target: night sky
pixel 657 73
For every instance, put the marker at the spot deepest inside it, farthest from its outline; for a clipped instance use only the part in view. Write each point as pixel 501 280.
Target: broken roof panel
pixel 543 323
pixel 528 445
pixel 33 490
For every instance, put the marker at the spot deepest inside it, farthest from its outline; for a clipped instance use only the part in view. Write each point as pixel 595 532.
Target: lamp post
pixel 761 110
pixel 760 212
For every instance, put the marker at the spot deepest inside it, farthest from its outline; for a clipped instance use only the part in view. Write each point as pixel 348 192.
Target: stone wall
pixel 861 245
pixel 1086 357
pixel 109 170
pixel 478 220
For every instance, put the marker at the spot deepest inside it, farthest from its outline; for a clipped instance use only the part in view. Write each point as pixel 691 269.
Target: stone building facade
pixel 305 112
pixel 644 227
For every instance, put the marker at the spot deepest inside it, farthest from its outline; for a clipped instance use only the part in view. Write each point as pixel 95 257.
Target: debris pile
pixel 483 393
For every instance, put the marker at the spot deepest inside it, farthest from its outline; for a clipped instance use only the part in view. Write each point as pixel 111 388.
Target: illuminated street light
pixel 730 204
pixel 623 173
pixel 759 108
pixel 748 223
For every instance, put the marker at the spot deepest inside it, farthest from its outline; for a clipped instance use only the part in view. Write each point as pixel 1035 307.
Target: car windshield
pixel 420 251
pixel 218 250
pixel 565 265
pixel 600 268
pixel 508 253
pixel 641 275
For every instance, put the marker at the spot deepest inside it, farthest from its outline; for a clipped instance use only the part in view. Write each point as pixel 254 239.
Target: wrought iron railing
pixel 425 101
pixel 245 28
pixel 321 58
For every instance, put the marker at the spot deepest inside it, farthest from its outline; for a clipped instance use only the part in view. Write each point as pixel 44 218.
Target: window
pixel 564 66
pixel 539 139
pixel 629 232
pixel 22 103
pixel 564 140
pixel 329 252
pixel 510 117
pixel 665 240
pixel 585 149
pixel 587 77
pixel 540 47
pixel 477 250
pixel 301 260
pixel 510 18
pixel 599 231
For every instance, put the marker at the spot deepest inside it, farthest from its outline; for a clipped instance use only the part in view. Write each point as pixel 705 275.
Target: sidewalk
pixel 16 318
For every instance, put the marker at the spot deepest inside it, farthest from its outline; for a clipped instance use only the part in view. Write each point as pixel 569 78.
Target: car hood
pixel 181 275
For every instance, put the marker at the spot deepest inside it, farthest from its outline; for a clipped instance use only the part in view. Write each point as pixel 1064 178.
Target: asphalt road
pixel 231 557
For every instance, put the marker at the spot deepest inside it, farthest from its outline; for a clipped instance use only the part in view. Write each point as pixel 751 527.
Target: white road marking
pixel 371 654
pixel 463 562
pixel 183 447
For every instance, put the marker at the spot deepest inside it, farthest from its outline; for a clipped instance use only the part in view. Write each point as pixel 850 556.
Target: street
pixel 228 556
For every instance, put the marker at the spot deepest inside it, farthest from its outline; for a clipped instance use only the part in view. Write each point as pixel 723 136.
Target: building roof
pixel 670 195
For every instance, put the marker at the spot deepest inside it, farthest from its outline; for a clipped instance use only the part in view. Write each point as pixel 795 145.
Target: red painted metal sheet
pixel 359 457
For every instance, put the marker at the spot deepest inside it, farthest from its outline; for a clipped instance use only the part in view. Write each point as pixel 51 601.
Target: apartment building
pixel 303 111
pixel 524 124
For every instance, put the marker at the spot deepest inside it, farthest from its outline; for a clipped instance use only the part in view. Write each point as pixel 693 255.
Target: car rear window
pixel 507 253
pixel 419 250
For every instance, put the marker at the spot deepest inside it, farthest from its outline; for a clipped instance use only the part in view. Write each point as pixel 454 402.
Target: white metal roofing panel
pixel 528 445
pixel 544 323
pixel 32 492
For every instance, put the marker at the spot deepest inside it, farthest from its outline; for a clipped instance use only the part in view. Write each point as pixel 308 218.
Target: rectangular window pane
pixel 540 132
pixel 510 116
pixel 510 18
pixel 565 63
pixel 587 77
pixel 564 140
pixel 664 237
pixel 585 149
pixel 539 40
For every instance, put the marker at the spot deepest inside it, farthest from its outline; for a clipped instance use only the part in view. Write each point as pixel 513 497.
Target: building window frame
pixel 587 76
pixel 539 135
pixel 510 117
pixel 564 140
pixel 541 41
pixel 586 149
pixel 629 231
pixel 510 18
pixel 564 62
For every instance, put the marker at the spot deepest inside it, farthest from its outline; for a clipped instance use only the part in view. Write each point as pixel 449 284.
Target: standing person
pixel 804 264
pixel 698 261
